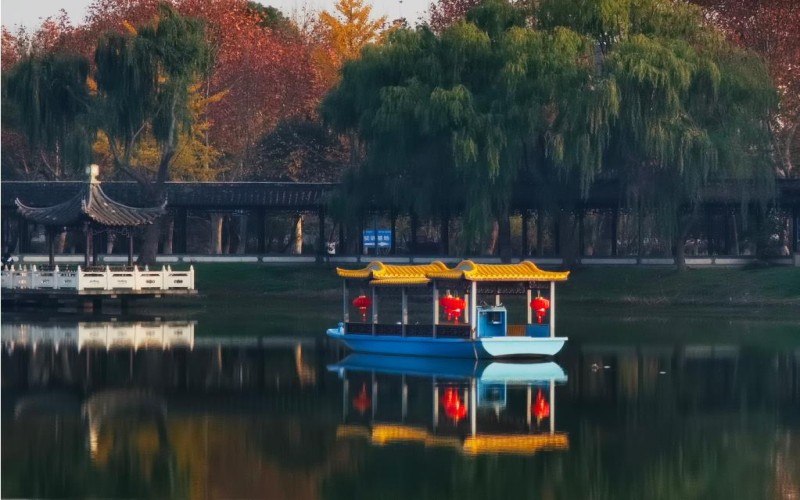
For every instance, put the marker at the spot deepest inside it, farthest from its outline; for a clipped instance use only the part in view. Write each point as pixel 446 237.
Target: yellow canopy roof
pixel 378 271
pixel 383 434
pixel 523 271
pixel 398 275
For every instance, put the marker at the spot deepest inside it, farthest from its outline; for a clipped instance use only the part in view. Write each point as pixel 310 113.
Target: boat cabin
pixel 436 301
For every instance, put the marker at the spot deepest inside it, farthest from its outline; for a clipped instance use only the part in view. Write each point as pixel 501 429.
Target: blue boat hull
pixel 480 348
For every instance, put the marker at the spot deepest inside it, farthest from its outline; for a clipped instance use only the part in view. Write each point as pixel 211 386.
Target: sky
pixel 30 13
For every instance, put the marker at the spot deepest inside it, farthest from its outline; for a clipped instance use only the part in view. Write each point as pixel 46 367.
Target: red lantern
pixel 540 408
pixel 540 305
pixel 453 406
pixel 362 401
pixel 446 304
pixel 457 306
pixel 362 303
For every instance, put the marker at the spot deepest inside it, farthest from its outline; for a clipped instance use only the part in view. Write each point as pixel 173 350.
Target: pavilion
pixel 93 209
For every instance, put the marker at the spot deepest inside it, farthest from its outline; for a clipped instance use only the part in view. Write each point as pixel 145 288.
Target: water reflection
pixel 268 417
pixel 475 407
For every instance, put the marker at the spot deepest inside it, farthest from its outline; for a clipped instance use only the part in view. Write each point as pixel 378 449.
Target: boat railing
pixel 442 330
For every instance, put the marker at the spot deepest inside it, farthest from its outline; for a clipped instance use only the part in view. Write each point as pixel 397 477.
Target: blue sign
pixel 377 238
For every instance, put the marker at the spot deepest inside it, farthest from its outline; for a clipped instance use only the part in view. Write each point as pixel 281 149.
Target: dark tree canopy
pixel 641 90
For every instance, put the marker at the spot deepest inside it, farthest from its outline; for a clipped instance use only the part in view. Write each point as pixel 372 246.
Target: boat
pixel 461 324
pixel 474 407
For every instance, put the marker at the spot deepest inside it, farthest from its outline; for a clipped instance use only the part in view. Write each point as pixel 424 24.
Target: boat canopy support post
pixel 345 309
pixel 527 306
pixel 552 406
pixel 473 309
pixel 473 406
pixel 467 311
pixel 374 308
pixel 404 301
pixel 552 308
pixel 528 406
pixel 435 307
pixel 435 405
pixel 497 299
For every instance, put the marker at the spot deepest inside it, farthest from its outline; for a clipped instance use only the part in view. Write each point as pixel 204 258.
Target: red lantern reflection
pixel 362 402
pixel 362 303
pixel 453 406
pixel 540 305
pixel 540 408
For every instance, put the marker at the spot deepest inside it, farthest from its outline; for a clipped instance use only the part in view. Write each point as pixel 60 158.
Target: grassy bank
pixel 778 286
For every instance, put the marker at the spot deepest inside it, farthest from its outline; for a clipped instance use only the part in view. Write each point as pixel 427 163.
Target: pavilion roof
pixel 399 275
pixel 90 203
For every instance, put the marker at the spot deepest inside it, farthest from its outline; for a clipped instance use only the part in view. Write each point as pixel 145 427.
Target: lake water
pixel 689 404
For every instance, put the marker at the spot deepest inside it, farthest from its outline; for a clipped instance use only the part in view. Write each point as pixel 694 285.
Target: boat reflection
pixel 478 407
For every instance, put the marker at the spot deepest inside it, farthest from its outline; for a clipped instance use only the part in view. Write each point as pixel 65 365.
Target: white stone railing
pixel 24 277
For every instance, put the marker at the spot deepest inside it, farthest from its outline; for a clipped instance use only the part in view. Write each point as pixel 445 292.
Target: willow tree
pixel 642 90
pixel 45 97
pixel 143 81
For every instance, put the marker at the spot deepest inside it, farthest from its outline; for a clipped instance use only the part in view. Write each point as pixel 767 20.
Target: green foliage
pixel 144 79
pixel 642 90
pixel 47 99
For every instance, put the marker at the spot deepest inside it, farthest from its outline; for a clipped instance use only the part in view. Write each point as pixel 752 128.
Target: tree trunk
pixel 297 248
pixel 216 234
pixel 149 249
pixel 169 238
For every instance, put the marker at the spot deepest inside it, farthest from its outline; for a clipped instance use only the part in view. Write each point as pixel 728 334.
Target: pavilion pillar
pixel 524 245
pixel 614 230
pixel 23 231
pixel 87 229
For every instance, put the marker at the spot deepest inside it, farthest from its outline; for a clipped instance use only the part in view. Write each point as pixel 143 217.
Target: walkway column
pixel 525 217
pixel 552 308
pixel 50 244
pixel 180 228
pixel 321 251
pixel 261 230
pixel 614 230
pixel 795 229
